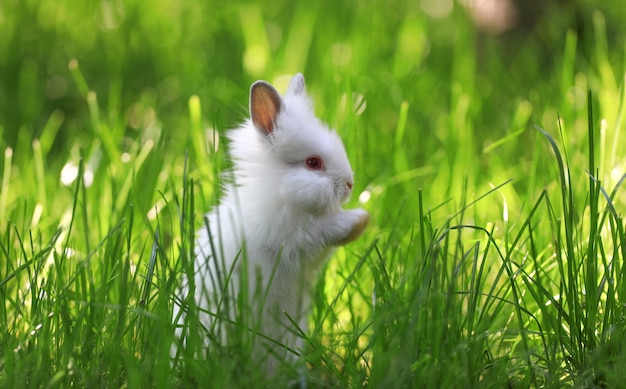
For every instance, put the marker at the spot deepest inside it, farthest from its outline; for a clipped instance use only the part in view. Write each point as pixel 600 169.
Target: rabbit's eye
pixel 314 163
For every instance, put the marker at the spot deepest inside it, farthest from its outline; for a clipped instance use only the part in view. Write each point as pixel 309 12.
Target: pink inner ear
pixel 264 106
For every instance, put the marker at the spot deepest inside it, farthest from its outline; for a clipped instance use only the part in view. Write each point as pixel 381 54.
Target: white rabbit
pixel 279 220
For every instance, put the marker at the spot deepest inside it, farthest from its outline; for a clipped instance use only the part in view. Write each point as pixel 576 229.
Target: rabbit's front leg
pixel 344 226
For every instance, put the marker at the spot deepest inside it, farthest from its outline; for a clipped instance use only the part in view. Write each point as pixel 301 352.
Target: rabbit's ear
pixel 265 104
pixel 297 85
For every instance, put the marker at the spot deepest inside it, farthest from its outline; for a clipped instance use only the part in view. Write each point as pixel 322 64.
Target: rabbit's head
pixel 293 151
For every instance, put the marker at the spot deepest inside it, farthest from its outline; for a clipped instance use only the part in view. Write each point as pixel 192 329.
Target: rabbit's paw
pixel 357 220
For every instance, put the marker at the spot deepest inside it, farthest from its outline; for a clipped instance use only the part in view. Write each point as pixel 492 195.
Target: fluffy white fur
pixel 284 218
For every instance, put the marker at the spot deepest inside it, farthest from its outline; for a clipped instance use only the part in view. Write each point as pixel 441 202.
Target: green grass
pixel 495 253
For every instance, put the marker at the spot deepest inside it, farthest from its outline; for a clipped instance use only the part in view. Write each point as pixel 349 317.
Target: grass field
pixel 491 165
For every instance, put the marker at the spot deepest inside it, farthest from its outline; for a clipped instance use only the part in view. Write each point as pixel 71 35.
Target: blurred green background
pixel 156 54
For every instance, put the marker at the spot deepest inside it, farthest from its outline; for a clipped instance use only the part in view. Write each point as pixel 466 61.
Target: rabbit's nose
pixel 349 185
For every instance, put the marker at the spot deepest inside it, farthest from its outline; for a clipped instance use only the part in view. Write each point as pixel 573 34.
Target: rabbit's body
pixel 280 217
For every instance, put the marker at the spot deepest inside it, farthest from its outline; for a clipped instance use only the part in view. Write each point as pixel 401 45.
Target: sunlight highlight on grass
pixel 257 53
pixel 6 180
